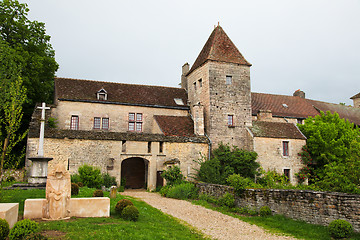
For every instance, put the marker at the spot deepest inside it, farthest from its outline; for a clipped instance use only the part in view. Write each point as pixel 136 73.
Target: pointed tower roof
pixel 220 48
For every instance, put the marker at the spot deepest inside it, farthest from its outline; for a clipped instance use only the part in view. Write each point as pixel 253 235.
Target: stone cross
pixel 42 129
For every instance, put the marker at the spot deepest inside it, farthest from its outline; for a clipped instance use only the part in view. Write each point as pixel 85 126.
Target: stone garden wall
pixel 310 206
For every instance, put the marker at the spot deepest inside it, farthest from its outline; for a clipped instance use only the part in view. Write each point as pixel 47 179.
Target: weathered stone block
pixel 9 212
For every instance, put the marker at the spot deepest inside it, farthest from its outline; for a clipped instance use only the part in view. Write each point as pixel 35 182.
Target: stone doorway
pixel 135 171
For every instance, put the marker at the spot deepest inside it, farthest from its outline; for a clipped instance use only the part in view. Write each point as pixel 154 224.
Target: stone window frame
pixel 74 122
pixel 195 88
pixel 285 148
pixel 135 122
pixel 101 123
pixel 200 83
pixel 287 173
pixel 101 94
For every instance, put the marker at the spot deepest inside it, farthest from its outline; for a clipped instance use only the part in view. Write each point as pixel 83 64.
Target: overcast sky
pixel 312 45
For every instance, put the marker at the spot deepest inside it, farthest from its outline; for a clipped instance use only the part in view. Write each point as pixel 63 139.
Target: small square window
pixel 132 117
pixel 299 121
pixel 96 123
pixel 139 117
pixel 287 174
pixel 138 126
pixel 105 123
pixel 131 126
pixel 228 80
pixel 285 148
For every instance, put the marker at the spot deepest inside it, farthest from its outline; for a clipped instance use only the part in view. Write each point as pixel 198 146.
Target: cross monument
pixel 42 129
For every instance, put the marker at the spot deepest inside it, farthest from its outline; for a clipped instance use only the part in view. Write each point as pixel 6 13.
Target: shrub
pixel 10 179
pixel 227 200
pixel 265 211
pixel 108 181
pixel 98 193
pixel 90 176
pixel 74 189
pixel 130 213
pixel 121 189
pixel 35 236
pixel 23 228
pixel 80 184
pixel 75 178
pixel 184 190
pixel 52 122
pixel 239 183
pixel 208 198
pixel 123 182
pixel 4 229
pixel 173 175
pixel 340 229
pixel 122 204
pixel 164 190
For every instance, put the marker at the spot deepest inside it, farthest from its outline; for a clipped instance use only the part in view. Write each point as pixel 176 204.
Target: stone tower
pixel 219 81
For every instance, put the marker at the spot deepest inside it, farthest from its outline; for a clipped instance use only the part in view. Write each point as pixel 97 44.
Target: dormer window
pixel 179 101
pixel 101 94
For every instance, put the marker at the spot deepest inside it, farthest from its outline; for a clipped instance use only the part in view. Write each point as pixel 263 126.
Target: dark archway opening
pixel 134 170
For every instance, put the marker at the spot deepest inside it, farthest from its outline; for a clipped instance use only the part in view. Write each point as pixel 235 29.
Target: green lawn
pixel 280 224
pixel 152 223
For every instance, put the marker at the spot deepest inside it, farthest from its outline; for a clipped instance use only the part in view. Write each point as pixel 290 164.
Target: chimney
pixel 356 100
pixel 185 70
pixel 299 93
pixel 264 115
pixel 198 117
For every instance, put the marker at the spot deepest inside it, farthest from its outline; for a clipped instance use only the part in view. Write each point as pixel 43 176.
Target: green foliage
pixel 4 229
pixel 90 176
pixel 23 228
pixel 98 193
pixel 185 190
pixel 123 182
pixel 32 59
pixel 130 213
pixel 272 179
pixel 52 122
pixel 80 184
pixel 108 181
pixel 225 162
pixel 340 229
pixel 10 179
pixel 120 205
pixel 332 153
pixel 164 190
pixel 227 200
pixel 74 189
pixel 240 183
pixel 173 175
pixel 208 198
pixel 75 178
pixel 121 189
pixel 35 236
pixel 265 211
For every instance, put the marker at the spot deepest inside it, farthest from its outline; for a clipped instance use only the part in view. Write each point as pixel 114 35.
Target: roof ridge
pixel 88 80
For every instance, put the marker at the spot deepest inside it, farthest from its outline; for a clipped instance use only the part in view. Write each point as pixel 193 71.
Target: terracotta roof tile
pixel 75 89
pixel 282 106
pixel 175 125
pixel 220 48
pixel 276 130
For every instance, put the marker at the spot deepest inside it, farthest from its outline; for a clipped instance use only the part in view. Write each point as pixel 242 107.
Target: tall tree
pixel 32 53
pixel 332 147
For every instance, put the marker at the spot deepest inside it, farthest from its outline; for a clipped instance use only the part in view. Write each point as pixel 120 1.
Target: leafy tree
pixel 332 152
pixel 173 176
pixel 13 96
pixel 32 54
pixel 226 161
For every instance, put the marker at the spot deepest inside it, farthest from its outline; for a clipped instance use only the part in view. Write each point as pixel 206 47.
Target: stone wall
pixel 310 206
pixel 270 155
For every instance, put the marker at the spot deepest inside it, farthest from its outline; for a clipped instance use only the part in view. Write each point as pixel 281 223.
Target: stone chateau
pixel 137 131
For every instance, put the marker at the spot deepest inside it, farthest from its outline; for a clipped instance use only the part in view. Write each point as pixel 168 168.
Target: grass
pixel 279 224
pixel 152 223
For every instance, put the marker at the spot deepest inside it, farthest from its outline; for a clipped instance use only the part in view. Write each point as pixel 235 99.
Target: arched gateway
pixel 135 171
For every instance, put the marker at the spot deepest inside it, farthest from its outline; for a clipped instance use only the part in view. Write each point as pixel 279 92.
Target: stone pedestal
pixel 39 169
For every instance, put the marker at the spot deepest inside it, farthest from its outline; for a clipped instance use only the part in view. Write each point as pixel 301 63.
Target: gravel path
pixel 211 223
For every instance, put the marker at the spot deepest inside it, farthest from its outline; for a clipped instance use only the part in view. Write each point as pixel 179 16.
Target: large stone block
pixel 79 207
pixel 9 212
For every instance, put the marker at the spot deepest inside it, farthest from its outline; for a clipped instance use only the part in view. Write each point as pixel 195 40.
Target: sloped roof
pixel 282 106
pixel 276 130
pixel 175 125
pixel 85 90
pixel 220 48
pixel 355 96
pixel 350 113
pixel 297 107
